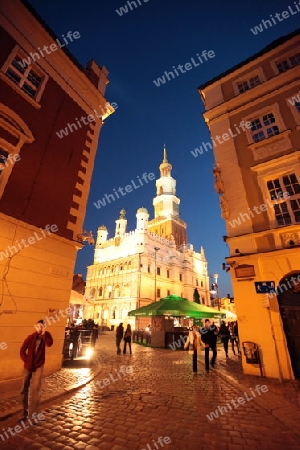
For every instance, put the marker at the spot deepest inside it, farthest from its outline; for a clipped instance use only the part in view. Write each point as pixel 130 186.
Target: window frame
pixel 246 77
pixel 272 109
pixel 17 51
pixel 281 203
pixel 283 56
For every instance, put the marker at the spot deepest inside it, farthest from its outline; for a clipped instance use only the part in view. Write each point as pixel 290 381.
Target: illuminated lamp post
pixel 215 289
pixel 155 270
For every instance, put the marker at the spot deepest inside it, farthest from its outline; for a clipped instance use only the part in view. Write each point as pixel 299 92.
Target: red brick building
pixel 45 173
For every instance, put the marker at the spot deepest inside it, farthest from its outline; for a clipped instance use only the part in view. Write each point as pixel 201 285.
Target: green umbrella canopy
pixel 176 306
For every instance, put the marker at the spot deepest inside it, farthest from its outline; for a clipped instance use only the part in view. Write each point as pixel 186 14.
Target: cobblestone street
pixel 160 396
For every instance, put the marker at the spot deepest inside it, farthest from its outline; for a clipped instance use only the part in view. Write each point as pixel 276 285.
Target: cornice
pixel 248 64
pixel 284 159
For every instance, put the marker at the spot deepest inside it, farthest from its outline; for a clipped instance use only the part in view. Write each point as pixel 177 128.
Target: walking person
pixel 209 340
pixel 224 334
pixel 127 339
pixel 119 337
pixel 233 337
pixel 32 353
pixel 193 343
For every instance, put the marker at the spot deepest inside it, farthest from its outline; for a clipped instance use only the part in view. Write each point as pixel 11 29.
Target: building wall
pixel 47 185
pixel 243 169
pixel 135 283
pixel 35 284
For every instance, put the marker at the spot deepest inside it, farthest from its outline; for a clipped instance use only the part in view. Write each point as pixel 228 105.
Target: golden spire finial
pixel 165 154
pixel 122 214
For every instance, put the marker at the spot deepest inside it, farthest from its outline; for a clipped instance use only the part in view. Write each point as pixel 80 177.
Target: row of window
pixel 107 270
pixel 281 66
pixel 158 294
pixel 158 272
pixel 110 291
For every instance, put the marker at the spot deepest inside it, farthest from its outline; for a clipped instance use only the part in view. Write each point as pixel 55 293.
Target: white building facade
pixel 135 268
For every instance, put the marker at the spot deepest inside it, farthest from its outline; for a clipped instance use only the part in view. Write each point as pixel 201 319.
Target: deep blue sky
pixel 137 48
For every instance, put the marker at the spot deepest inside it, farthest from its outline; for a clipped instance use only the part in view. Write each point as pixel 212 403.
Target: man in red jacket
pixel 32 353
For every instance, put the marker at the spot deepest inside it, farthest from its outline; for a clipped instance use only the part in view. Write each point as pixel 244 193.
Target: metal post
pixel 155 250
pixel 216 276
pixel 280 377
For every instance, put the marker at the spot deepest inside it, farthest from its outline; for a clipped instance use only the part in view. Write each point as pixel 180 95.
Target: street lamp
pixel 215 289
pixel 155 251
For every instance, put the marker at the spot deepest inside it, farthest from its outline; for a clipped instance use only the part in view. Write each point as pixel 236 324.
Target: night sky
pixel 137 48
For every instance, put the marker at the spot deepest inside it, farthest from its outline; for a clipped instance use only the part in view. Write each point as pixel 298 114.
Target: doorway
pixel 288 295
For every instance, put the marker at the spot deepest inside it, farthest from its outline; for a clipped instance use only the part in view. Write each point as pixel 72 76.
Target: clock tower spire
pixel 167 222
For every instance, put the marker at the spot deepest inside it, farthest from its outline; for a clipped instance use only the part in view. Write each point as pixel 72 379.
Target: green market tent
pixel 176 306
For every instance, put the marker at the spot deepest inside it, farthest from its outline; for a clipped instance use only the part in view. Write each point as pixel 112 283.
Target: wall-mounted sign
pixel 244 271
pixel 264 287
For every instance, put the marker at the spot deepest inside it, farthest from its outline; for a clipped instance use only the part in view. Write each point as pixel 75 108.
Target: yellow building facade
pixel 253 114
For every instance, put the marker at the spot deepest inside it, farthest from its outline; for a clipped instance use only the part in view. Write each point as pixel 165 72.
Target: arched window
pixel 124 312
pixel 117 291
pixel 113 313
pixel 126 290
pixel 101 292
pixel 92 293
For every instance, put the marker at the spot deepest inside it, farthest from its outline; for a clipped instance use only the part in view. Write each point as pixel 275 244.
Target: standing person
pixel 209 340
pixel 224 334
pixel 119 337
pixel 215 331
pixel 94 335
pixel 127 339
pixel 32 353
pixel 233 337
pixel 193 342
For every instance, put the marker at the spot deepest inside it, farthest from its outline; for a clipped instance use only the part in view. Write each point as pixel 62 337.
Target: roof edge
pixel 266 49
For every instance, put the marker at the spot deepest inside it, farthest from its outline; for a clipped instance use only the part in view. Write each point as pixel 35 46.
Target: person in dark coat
pixel 32 353
pixel 119 337
pixel 224 334
pixel 208 337
pixel 127 339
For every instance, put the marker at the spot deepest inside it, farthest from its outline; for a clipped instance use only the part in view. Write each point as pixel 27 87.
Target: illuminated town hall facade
pixel 137 267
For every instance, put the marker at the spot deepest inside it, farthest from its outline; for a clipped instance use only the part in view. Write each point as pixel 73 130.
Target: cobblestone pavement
pixel 161 397
pixel 54 385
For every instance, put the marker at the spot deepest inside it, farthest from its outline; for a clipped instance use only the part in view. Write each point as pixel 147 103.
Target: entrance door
pixel 291 325
pixel 289 304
